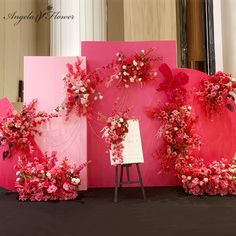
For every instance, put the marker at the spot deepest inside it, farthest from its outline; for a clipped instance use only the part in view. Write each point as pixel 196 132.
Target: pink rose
pixel 52 189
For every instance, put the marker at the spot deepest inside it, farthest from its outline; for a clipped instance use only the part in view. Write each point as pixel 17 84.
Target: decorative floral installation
pixel 138 68
pixel 177 132
pixel 17 130
pixel 215 93
pixel 181 144
pixel 81 90
pixel 115 132
pixel 47 180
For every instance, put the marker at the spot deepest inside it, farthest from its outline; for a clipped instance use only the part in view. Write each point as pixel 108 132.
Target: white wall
pixel 228 10
pixel 89 23
pixel 218 34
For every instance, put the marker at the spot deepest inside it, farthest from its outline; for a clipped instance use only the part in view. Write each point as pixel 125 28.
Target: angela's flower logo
pixel 45 14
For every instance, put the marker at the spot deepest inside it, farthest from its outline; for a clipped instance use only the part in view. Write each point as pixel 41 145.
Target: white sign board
pixel 133 151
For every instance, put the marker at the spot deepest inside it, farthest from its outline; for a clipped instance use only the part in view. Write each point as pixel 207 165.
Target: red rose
pixel 119 132
pixel 225 80
pixel 234 84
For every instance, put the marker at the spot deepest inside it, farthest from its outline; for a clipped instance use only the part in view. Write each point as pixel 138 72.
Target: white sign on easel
pixel 133 151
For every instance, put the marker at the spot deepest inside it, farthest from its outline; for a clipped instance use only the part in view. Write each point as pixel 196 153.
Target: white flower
pixel 175 128
pixel 124 67
pixel 76 91
pixel 142 51
pixel 100 97
pixel 17 173
pixel 141 64
pixel 18 179
pixel 205 180
pixel 74 87
pixel 189 178
pixel 125 73
pixel 119 125
pixel 48 174
pixel 135 63
pixel 201 183
pixel 117 77
pixel 131 79
pixel 117 54
pixel 82 89
pixel 139 79
pixel 83 101
pixel 75 180
pixel 121 120
pixel 189 108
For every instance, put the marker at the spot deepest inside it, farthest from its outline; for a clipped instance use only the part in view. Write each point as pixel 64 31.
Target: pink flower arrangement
pixel 214 93
pixel 217 177
pixel 47 180
pixel 17 130
pixel 81 90
pixel 114 134
pixel 138 68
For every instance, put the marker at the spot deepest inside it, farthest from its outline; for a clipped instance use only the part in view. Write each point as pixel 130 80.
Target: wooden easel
pixel 119 183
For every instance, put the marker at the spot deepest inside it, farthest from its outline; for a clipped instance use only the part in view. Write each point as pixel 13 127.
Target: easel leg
pixel 141 181
pixel 116 184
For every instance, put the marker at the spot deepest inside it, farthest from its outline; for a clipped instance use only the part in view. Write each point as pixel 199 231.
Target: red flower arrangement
pixel 114 134
pixel 47 180
pixel 214 93
pixel 80 90
pixel 177 133
pixel 17 130
pixel 138 68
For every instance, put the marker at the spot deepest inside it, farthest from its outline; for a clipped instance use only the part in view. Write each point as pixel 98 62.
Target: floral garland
pixel 17 130
pixel 81 90
pixel 114 134
pixel 138 68
pixel 46 180
pixel 215 93
pixel 181 145
pixel 177 132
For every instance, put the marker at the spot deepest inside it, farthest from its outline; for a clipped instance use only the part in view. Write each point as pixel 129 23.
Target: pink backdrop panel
pixel 7 170
pixel 218 134
pixel 100 172
pixel 43 81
